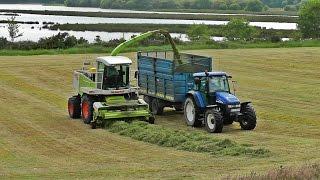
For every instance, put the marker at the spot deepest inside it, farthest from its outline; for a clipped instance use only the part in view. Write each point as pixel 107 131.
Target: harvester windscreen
pixel 218 83
pixel 115 77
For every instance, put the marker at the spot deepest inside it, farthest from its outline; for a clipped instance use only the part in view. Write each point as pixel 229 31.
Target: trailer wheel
pixel 178 108
pixel 87 109
pixel 151 120
pixel 249 120
pixel 147 99
pixel 156 107
pixel 74 107
pixel 213 121
pixel 191 113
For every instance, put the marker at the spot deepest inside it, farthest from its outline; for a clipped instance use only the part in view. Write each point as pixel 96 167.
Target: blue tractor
pixel 211 103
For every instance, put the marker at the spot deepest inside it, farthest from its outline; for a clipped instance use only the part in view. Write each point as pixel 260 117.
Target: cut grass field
pixel 38 140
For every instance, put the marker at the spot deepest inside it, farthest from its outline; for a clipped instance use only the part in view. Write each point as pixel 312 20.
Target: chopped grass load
pixel 183 140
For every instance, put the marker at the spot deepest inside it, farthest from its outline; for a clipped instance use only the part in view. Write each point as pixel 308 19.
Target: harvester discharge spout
pixel 146 35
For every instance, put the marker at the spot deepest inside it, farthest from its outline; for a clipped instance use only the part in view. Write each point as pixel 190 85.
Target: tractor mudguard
pixel 243 105
pixel 199 99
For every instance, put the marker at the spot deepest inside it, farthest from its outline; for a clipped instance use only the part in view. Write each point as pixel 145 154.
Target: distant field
pixel 38 140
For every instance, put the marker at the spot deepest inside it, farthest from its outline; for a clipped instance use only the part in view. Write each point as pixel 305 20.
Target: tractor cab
pixel 113 72
pixel 214 86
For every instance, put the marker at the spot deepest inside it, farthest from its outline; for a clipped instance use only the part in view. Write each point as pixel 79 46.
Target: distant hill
pixel 32 1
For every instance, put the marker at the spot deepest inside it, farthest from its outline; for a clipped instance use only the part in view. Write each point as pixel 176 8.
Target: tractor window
pixel 203 85
pixel 218 83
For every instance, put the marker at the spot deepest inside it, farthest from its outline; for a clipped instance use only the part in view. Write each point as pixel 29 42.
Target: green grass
pixel 304 172
pixel 91 49
pixel 39 141
pixel 182 140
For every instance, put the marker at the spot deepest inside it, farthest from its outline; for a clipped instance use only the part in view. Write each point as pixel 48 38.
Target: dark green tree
pixel 239 29
pixel 198 32
pixel 235 6
pixel 254 6
pixel 71 3
pixel 107 4
pixel 309 19
pixel 203 4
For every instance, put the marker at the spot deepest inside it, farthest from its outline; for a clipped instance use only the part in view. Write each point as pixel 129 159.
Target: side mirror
pixel 234 85
pixel 197 81
pixel 136 74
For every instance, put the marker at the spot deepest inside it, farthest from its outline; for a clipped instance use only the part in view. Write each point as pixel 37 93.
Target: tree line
pixel 33 1
pixel 248 5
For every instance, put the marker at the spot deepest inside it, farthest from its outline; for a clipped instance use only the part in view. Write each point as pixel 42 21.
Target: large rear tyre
pixel 213 121
pixel 191 113
pixel 74 107
pixel 156 107
pixel 87 109
pixel 249 120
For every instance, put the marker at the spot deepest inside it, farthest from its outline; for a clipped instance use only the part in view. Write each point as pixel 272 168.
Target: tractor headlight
pixel 234 106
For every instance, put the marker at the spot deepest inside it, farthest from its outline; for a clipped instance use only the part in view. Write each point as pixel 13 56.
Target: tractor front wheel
pixel 249 120
pixel 213 121
pixel 74 107
pixel 87 109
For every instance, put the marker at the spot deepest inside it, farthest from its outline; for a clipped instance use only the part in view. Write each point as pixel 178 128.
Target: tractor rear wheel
pixel 74 107
pixel 87 109
pixel 213 121
pixel 191 113
pixel 156 107
pixel 249 120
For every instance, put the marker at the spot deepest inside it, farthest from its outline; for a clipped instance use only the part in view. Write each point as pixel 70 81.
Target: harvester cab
pixel 113 72
pixel 105 93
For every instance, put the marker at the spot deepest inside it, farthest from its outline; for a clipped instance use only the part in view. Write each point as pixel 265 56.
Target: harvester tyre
pixel 87 109
pixel 74 107
pixel 213 121
pixel 191 113
pixel 93 125
pixel 249 120
pixel 156 107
